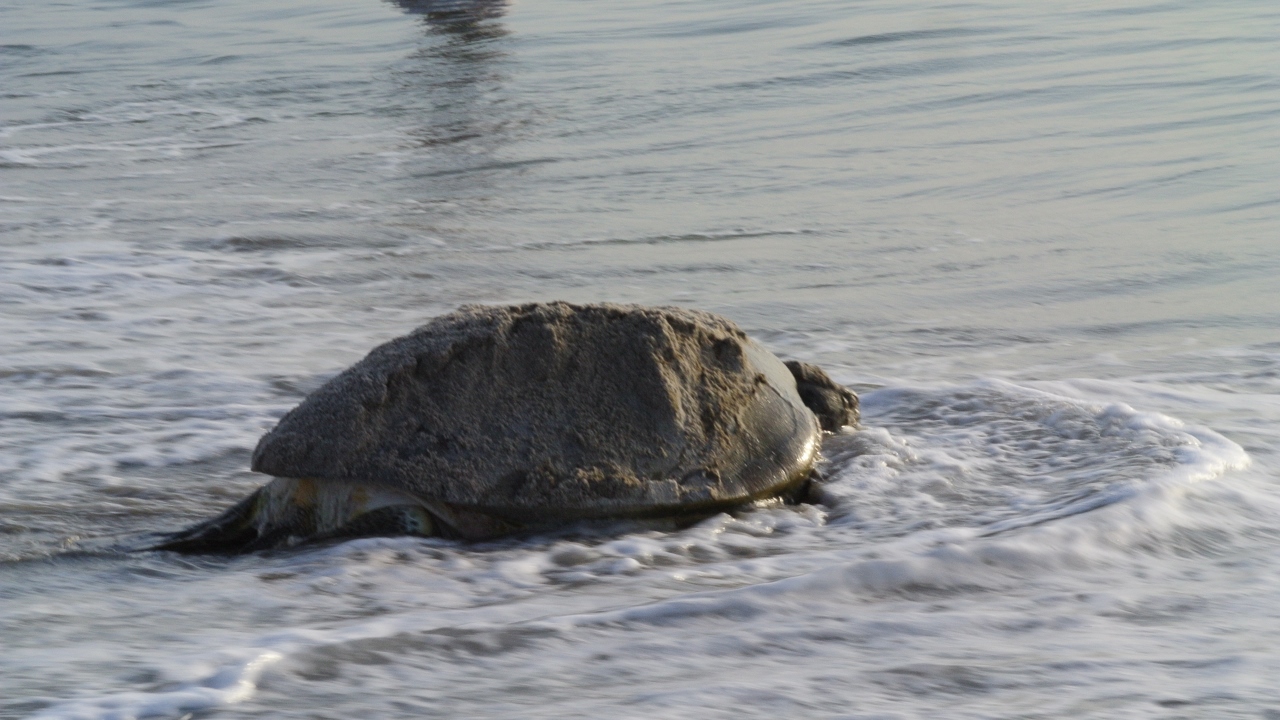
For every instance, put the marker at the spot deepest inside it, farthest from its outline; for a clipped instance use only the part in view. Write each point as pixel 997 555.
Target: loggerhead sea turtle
pixel 491 420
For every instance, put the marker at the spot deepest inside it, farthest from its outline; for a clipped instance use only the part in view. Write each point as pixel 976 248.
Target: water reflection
pixel 455 90
pixel 454 13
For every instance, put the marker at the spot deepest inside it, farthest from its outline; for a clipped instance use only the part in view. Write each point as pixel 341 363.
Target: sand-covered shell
pixel 542 412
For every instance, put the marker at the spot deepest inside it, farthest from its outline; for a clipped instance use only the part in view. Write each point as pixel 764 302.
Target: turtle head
pixel 834 404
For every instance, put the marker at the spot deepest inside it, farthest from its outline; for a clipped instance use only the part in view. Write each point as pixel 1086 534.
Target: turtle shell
pixel 549 412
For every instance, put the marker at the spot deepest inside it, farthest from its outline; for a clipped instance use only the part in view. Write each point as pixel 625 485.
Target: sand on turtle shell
pixel 553 410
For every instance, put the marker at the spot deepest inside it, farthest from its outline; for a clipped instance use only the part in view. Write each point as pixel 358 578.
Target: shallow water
pixel 1038 240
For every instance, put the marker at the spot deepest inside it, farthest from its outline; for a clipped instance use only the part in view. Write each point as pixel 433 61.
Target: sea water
pixel 1039 239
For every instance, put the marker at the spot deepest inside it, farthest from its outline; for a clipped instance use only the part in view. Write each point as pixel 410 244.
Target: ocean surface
pixel 1041 240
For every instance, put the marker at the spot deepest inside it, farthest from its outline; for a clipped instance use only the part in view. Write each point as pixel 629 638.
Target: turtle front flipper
pixel 290 511
pixel 386 521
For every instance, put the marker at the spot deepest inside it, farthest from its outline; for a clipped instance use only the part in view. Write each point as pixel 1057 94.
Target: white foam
pixel 775 562
pixel 230 685
pixel 996 455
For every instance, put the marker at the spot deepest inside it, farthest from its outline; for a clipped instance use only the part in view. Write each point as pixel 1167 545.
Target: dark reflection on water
pixel 456 14
pixel 454 90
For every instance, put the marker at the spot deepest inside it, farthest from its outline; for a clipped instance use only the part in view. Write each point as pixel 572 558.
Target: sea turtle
pixel 491 420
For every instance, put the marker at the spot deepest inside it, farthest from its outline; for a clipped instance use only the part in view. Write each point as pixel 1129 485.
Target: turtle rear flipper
pixel 289 511
pixel 234 531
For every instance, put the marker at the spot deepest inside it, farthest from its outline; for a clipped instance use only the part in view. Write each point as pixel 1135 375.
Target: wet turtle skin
pixel 493 420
